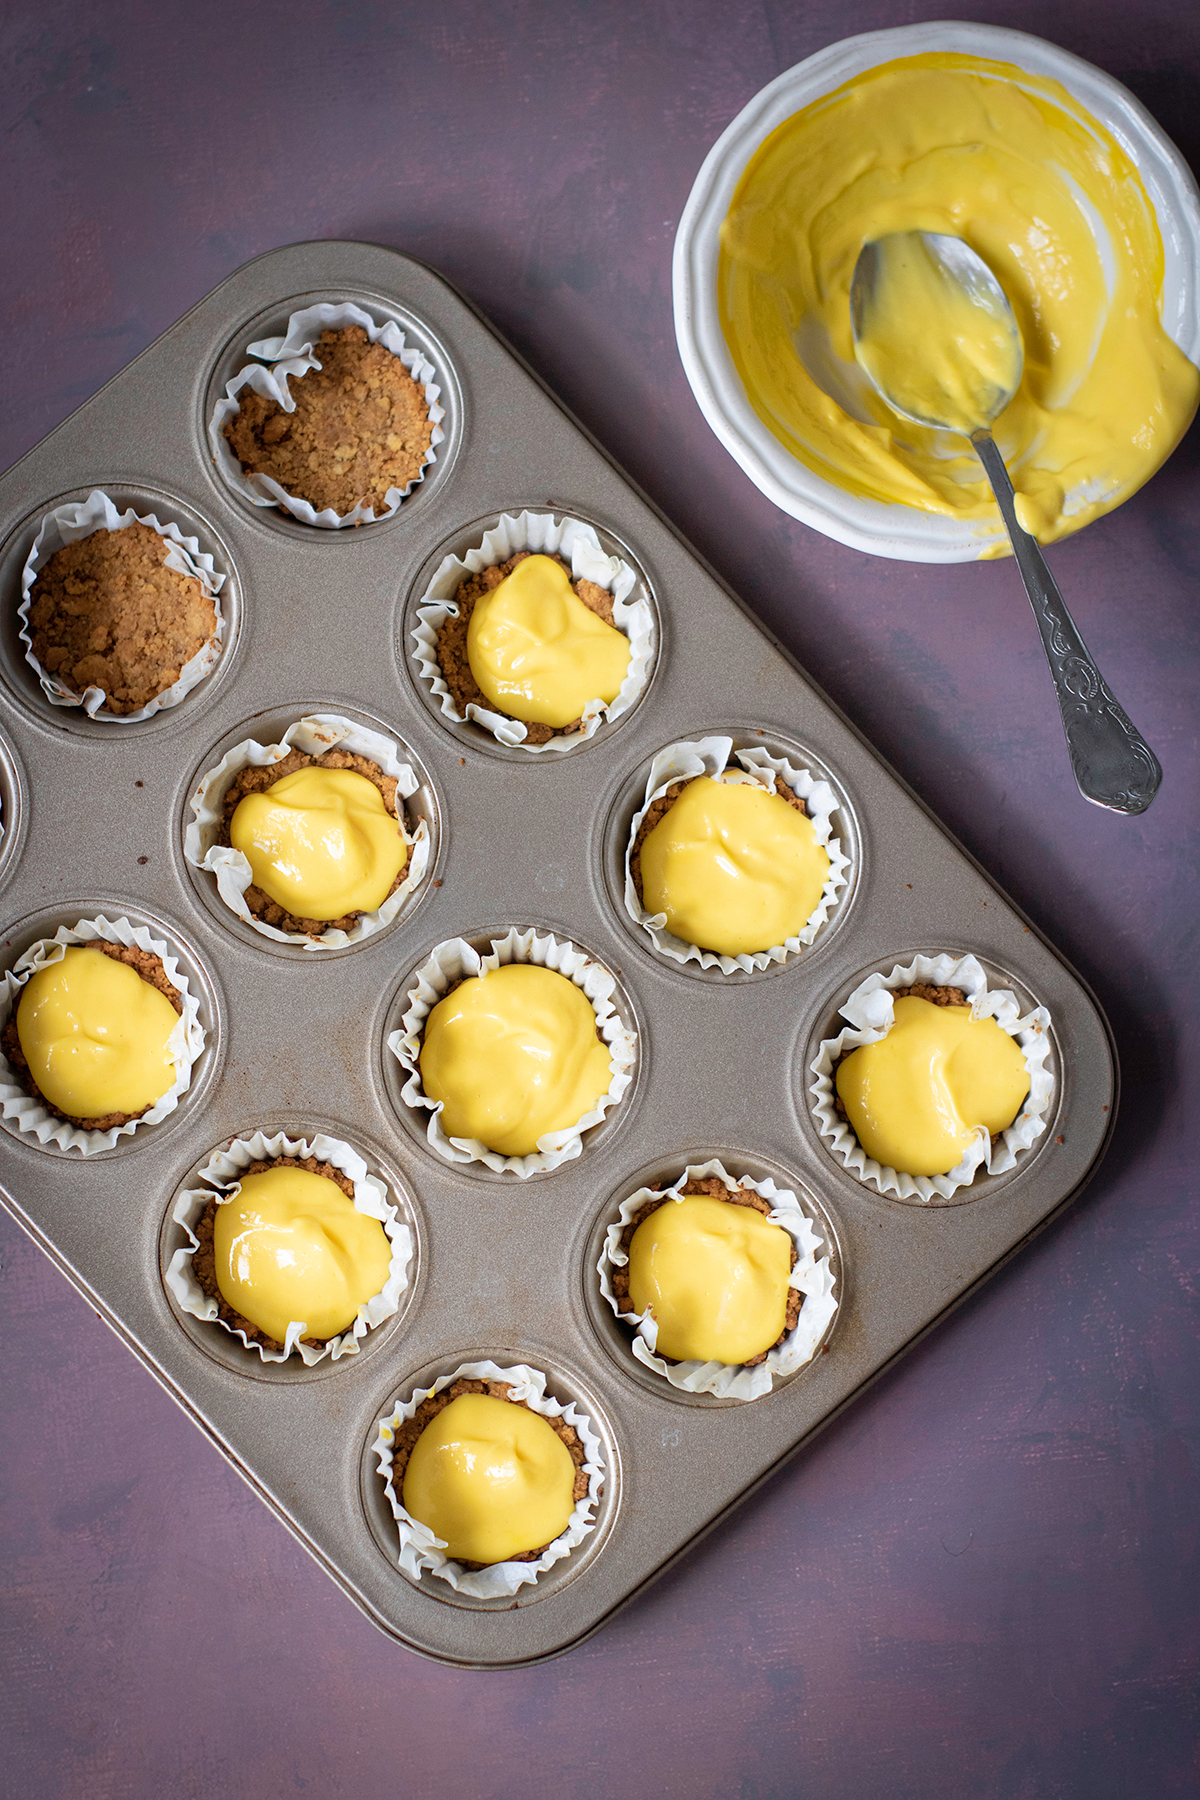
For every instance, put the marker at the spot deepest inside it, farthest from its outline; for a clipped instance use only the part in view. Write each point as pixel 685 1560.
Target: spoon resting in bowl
pixel 936 337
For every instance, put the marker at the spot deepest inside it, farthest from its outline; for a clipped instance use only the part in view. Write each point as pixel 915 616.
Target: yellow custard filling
pixel 538 653
pixel 321 843
pixel 95 1036
pixel 916 1099
pixel 291 1247
pixel 715 1277
pixel 512 1055
pixel 734 868
pixel 967 355
pixel 1013 165
pixel 490 1478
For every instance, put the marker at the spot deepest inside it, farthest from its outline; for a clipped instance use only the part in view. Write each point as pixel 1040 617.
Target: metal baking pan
pixel 94 820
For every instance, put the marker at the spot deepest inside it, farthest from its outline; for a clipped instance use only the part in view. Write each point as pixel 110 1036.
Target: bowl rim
pixel 873 526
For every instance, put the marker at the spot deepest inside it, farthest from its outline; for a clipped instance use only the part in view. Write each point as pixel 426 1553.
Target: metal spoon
pixel 1112 763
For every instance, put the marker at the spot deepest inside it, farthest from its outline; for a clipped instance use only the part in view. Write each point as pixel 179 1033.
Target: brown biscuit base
pixel 361 426
pixel 452 640
pixel 714 1188
pixel 658 809
pixel 107 612
pixel 920 990
pixel 204 1261
pixel 255 780
pixel 151 969
pixel 411 1429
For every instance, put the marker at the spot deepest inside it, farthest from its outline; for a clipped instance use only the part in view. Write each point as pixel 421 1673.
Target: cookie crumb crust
pixel 255 779
pixel 361 427
pixel 713 1188
pixel 204 1261
pixel 150 968
pixel 107 612
pixel 452 639
pixel 407 1434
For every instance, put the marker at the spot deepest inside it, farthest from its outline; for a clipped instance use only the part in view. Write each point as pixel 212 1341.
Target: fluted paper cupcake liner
pixel 223 1172
pixel 295 354
pixel 315 736
pixel 185 1043
pixel 542 534
pixel 420 1550
pixel 67 525
pixel 456 960
pixel 684 761
pixel 812 1276
pixel 871 1013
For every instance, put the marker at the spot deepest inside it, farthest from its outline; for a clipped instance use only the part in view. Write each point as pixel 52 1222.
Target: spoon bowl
pixel 937 338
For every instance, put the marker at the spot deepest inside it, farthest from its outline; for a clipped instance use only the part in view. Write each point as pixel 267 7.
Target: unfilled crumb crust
pixel 712 1187
pixel 204 1261
pixel 361 427
pixel 151 969
pixel 658 809
pixel 254 779
pixel 452 640
pixel 408 1433
pixel 107 612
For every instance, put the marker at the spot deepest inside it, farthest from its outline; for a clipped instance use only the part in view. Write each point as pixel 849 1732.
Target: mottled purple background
pixel 982 1582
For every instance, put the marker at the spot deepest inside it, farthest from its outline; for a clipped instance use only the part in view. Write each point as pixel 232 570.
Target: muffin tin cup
pixel 542 534
pixel 295 355
pixel 421 1551
pixel 186 1042
pixel 457 960
pixel 222 1173
pixel 80 519
pixel 685 760
pixel 812 1276
pixel 315 735
pixel 871 1013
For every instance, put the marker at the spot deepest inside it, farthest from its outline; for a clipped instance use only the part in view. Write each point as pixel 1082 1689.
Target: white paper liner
pixel 315 735
pixel 185 1042
pixel 543 535
pixel 455 960
pixel 709 756
pixel 871 1013
pixel 812 1277
pixel 420 1550
pixel 67 525
pixel 295 354
pixel 223 1172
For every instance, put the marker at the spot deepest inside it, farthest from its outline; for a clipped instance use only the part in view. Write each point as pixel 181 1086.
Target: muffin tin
pixel 504 1268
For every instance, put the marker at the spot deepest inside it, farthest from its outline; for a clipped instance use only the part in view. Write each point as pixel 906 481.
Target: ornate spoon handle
pixel 1111 760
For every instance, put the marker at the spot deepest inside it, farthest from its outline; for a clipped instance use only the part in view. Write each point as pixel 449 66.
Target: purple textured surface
pixel 982 1581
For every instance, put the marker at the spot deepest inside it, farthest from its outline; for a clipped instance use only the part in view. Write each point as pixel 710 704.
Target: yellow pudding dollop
pixel 916 1099
pixel 968 354
pixel 291 1247
pixel 490 1478
pixel 715 1277
pixel 95 1036
pixel 321 843
pixel 512 1055
pixel 538 653
pixel 1014 166
pixel 734 868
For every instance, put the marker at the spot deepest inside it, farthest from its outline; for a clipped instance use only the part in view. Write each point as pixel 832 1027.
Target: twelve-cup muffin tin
pixel 317 621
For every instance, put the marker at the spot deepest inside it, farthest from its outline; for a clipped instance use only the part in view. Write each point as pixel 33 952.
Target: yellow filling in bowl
pixel 1013 165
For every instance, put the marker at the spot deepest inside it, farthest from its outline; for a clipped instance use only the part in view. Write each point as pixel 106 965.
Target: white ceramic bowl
pixel 883 530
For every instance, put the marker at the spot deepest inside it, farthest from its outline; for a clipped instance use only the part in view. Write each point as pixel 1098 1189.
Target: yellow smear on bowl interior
pixel 1011 164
